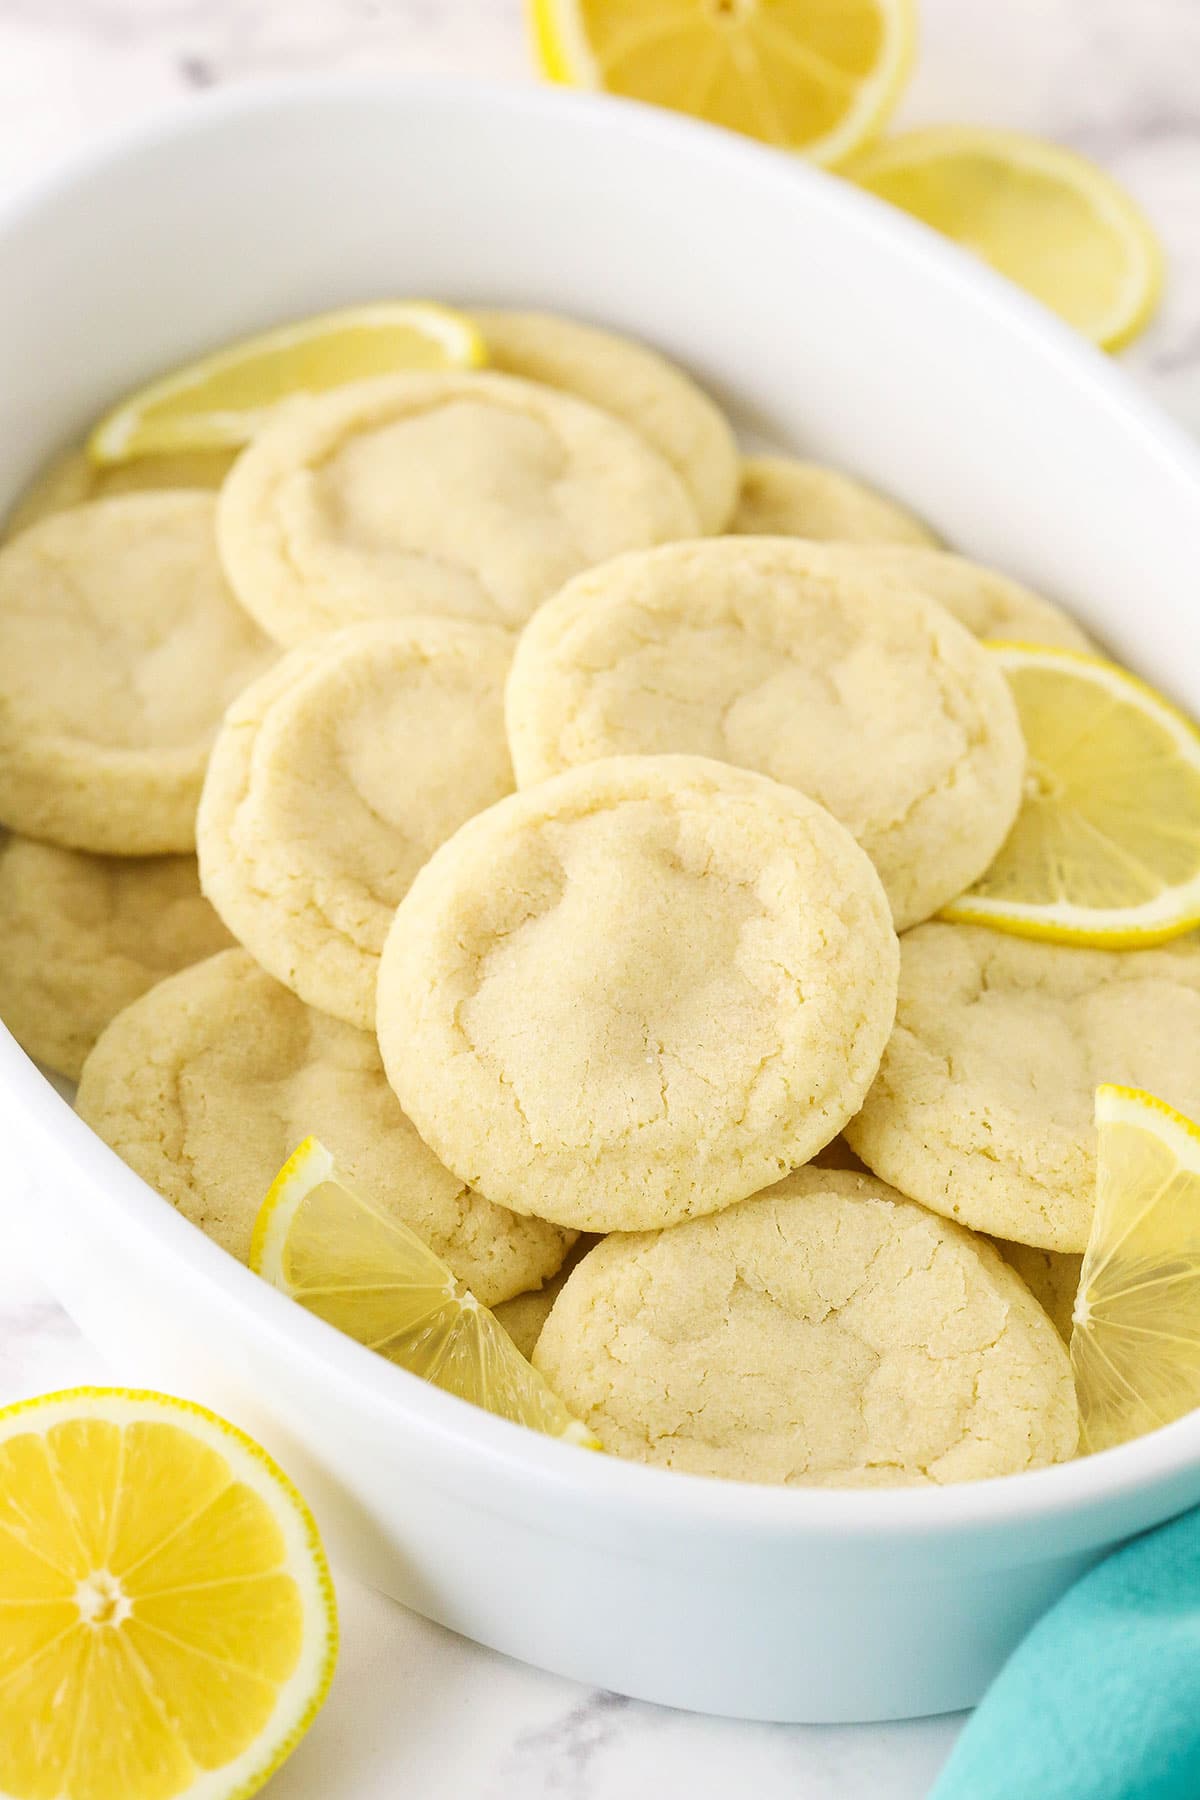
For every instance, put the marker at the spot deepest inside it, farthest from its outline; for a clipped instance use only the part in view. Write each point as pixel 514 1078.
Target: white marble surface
pixel 415 1709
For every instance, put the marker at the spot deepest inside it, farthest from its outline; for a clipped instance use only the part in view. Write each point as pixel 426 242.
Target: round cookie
pixel 638 992
pixel 989 604
pixel 120 647
pixel 983 1106
pixel 787 658
pixel 82 936
pixel 335 776
pixel 463 494
pixel 781 497
pixel 660 402
pixel 71 477
pixel 826 1332
pixel 207 1084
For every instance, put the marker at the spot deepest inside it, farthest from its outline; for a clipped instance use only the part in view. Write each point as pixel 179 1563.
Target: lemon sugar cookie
pixel 788 658
pixel 638 992
pixel 660 402
pixel 989 604
pixel 334 778
pixel 781 497
pixel 71 478
pixel 463 494
pixel 120 647
pixel 82 936
pixel 208 1083
pixel 983 1106
pixel 826 1332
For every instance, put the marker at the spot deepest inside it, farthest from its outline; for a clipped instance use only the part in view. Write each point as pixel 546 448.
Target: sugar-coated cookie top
pixel 334 778
pixel 207 1084
pixel 983 1107
pixel 467 494
pixel 793 659
pixel 120 647
pixel 82 936
pixel 825 1332
pixel 656 398
pixel 638 992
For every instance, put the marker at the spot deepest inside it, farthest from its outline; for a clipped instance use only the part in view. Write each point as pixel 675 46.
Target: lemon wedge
pixel 223 399
pixel 801 74
pixel 1106 847
pixel 1135 1345
pixel 1048 219
pixel 169 1626
pixel 373 1278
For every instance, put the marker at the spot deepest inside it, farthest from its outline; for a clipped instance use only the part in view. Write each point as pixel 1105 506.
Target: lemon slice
pixel 1048 219
pixel 167 1623
pixel 1106 847
pixel 801 74
pixel 374 1279
pixel 223 399
pixel 1135 1345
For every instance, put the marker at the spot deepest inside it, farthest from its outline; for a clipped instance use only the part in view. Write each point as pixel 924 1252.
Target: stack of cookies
pixel 560 784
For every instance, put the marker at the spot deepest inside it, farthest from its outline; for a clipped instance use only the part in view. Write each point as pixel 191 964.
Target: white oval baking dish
pixel 829 324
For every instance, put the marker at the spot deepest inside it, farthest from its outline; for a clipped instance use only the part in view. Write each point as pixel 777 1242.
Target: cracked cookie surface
pixel 332 781
pixel 463 494
pixel 790 659
pixel 120 647
pixel 640 991
pixel 209 1082
pixel 660 402
pixel 783 497
pixel 826 1332
pixel 983 1106
pixel 83 936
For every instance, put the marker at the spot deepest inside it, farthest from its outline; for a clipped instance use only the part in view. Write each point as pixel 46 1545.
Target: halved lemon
pixel 374 1279
pixel 223 399
pixel 801 74
pixel 1135 1345
pixel 1048 219
pixel 1106 847
pixel 167 1622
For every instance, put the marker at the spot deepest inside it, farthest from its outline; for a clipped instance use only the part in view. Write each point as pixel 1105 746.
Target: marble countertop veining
pixel 1118 80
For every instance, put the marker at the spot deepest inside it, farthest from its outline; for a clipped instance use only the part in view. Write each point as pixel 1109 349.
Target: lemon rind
pixel 123 433
pixel 563 54
pixel 1135 304
pixel 1174 911
pixel 123 1406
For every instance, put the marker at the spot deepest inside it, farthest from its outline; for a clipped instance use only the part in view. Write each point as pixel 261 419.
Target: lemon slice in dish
pixel 801 74
pixel 1048 219
pixel 168 1623
pixel 374 1279
pixel 1106 847
pixel 223 399
pixel 1135 1345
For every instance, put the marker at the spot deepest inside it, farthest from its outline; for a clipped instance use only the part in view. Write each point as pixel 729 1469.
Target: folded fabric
pixel 1102 1700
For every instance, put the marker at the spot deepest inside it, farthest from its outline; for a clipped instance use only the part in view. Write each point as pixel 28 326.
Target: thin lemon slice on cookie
pixel 1106 847
pixel 374 1279
pixel 167 1622
pixel 801 74
pixel 1048 219
pixel 223 399
pixel 1135 1344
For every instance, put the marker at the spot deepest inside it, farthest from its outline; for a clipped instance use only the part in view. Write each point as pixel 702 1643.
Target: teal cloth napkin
pixel 1102 1700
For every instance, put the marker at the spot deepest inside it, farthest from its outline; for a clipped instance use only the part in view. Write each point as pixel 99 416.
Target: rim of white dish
pixel 470 1444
